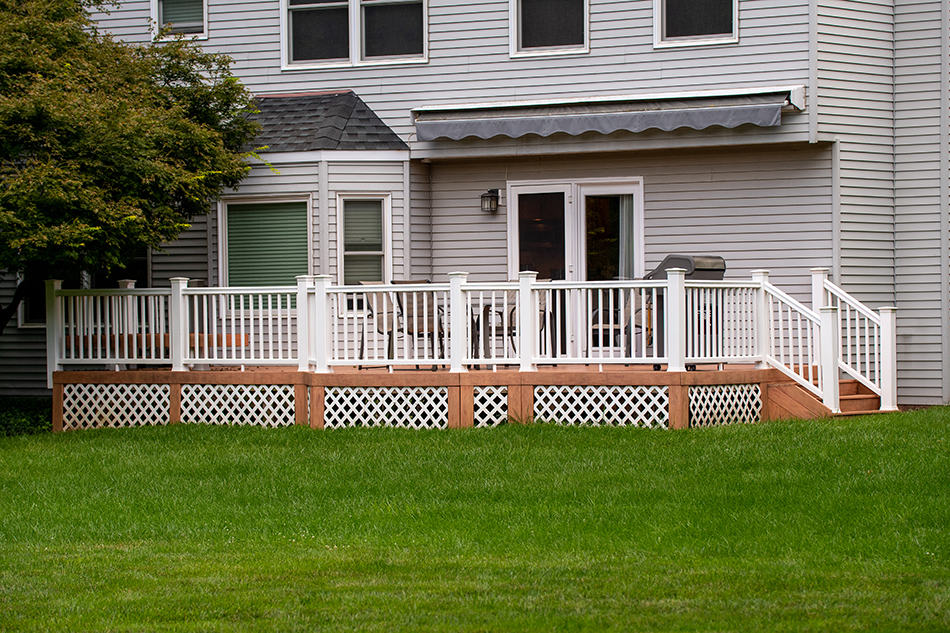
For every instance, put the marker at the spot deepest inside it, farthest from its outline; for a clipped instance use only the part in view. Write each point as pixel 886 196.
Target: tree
pixel 106 148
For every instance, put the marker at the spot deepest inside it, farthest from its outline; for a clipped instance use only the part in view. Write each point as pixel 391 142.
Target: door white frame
pixel 574 190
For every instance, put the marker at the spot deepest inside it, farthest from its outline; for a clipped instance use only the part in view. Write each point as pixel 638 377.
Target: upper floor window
pixel 693 22
pixel 354 31
pixel 180 16
pixel 549 26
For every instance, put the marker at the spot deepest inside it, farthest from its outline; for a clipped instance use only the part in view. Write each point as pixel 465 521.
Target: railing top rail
pixel 377 288
pixel 490 285
pixel 852 302
pixel 241 290
pixel 114 292
pixel 598 285
pixel 723 283
pixel 799 306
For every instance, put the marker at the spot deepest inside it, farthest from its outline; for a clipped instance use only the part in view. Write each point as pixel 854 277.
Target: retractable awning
pixel 605 116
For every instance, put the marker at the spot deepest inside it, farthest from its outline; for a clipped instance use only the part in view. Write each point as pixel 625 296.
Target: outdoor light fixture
pixel 490 201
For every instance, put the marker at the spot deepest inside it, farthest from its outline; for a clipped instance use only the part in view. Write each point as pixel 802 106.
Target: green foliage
pixel 25 415
pixel 828 525
pixel 105 147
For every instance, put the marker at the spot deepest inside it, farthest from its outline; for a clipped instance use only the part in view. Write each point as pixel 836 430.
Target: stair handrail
pixel 808 347
pixel 868 373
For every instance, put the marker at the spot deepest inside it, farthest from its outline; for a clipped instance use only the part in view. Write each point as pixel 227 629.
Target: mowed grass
pixel 829 525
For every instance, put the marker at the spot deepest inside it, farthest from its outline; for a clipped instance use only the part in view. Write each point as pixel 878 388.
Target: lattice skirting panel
pixel 713 405
pixel 491 405
pixel 403 407
pixel 254 405
pixel 90 406
pixel 602 405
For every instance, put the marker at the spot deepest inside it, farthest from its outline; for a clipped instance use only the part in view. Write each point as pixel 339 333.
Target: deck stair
pixel 789 400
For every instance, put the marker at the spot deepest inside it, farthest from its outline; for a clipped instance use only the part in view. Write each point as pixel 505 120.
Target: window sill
pixel 551 52
pixel 690 43
pixel 187 36
pixel 293 66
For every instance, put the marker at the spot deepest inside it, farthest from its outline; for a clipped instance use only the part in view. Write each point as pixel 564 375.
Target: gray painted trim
pixel 324 193
pixel 813 70
pixel 945 197
pixel 406 223
pixel 836 210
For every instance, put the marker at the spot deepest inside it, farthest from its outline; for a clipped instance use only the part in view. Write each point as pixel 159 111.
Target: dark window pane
pixel 320 34
pixel 392 29
pixel 184 16
pixel 552 23
pixel 686 18
pixel 541 234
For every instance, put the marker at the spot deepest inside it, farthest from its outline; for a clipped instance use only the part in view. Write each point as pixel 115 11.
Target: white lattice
pixel 712 405
pixel 405 407
pixel 491 405
pixel 88 406
pixel 602 405
pixel 255 405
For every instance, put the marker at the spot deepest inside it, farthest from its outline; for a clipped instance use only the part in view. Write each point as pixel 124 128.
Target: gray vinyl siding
pixel 764 208
pixel 22 352
pixel 185 257
pixel 855 104
pixel 921 203
pixel 469 58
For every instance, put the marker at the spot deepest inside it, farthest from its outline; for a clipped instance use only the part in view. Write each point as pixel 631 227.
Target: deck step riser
pixel 859 403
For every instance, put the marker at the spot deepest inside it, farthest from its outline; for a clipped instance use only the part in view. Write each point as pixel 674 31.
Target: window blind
pixel 267 243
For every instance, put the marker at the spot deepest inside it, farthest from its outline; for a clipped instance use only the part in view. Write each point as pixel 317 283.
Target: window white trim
pixel 696 40
pixel 356 43
pixel 386 199
pixel 155 26
pixel 514 36
pixel 222 226
pixel 574 191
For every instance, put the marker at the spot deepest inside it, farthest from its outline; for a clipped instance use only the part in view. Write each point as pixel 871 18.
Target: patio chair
pixel 383 314
pixel 420 316
pixel 492 322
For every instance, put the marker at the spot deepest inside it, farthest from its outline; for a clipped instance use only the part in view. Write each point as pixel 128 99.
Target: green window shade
pixel 267 243
pixel 363 225
pixel 185 16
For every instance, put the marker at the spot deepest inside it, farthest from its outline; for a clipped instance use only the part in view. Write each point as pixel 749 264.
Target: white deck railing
pixel 527 323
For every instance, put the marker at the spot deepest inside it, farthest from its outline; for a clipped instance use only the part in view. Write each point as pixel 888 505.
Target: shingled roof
pixel 321 121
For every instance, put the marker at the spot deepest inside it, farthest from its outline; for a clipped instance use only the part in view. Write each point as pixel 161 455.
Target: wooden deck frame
pixel 780 397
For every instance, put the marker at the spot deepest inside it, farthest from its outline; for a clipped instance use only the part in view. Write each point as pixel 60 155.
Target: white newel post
pixel 178 318
pixel 54 329
pixel 303 322
pixel 763 329
pixel 131 320
pixel 676 319
pixel 888 358
pixel 320 320
pixel 457 318
pixel 829 358
pixel 527 320
pixel 818 278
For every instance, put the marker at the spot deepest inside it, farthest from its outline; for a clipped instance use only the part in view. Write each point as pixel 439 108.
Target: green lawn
pixel 830 525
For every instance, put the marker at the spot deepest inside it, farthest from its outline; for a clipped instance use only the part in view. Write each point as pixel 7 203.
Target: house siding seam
pixel 921 199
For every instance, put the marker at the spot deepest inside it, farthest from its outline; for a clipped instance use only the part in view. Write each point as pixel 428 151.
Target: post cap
pixel 458 273
pixel 820 269
pixel 533 274
pixel 887 309
pixel 675 271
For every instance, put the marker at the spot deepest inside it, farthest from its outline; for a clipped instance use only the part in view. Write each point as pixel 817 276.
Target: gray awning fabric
pixel 764 110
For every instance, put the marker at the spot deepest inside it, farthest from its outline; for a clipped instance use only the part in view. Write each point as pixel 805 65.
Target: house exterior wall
pixel 758 208
pixel 469 59
pixel 855 105
pixel 22 352
pixel 921 199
